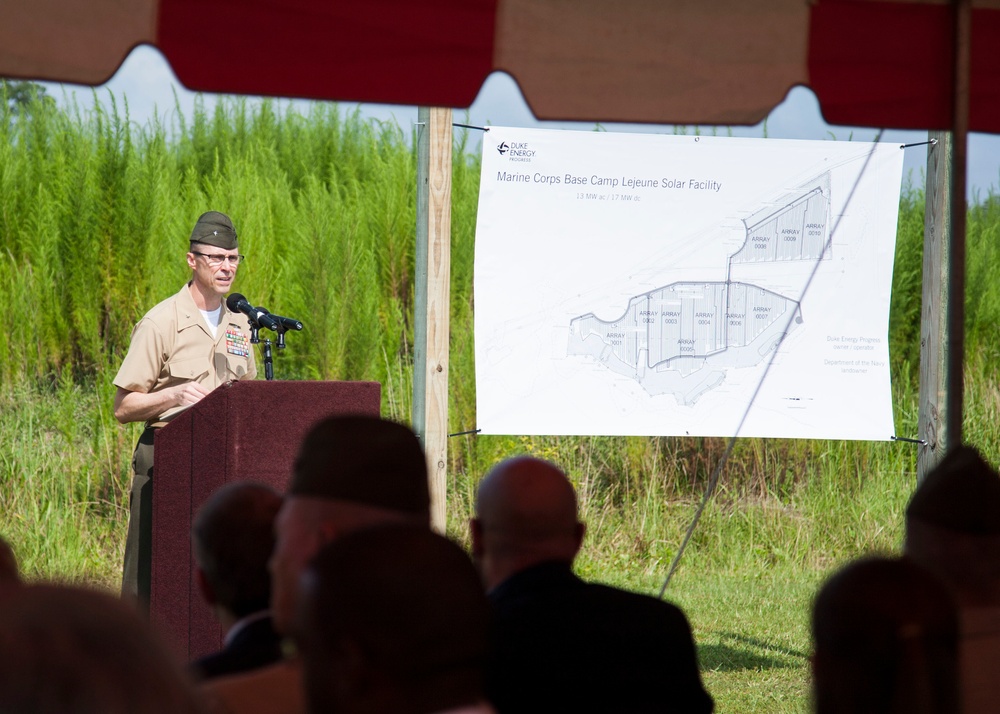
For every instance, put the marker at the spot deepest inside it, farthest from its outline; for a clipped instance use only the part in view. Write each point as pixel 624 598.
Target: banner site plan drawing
pixel 682 338
pixel 684 285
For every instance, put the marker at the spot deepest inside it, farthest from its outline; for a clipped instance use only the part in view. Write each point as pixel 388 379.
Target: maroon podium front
pixel 248 430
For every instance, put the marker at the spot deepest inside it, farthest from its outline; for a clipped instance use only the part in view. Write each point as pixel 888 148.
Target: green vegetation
pixel 94 217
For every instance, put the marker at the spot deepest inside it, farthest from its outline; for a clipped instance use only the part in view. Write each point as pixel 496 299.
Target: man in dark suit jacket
pixel 233 537
pixel 561 644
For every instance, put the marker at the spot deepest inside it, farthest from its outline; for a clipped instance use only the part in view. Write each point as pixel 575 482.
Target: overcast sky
pixel 147 83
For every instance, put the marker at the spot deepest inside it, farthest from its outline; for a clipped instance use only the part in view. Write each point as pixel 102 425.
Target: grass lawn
pixel 746 581
pixel 752 631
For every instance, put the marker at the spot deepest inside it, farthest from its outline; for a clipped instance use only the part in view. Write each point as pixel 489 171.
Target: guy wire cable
pixel 714 479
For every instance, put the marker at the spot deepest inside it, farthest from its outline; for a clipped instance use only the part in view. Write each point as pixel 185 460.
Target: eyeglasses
pixel 217 259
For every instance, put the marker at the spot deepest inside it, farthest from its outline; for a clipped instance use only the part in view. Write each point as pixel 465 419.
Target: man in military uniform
pixel 181 350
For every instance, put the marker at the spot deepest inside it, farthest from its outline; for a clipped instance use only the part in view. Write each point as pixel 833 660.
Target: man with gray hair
pixel 180 351
pixel 352 472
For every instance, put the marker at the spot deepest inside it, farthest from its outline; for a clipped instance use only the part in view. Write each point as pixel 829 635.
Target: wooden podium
pixel 246 431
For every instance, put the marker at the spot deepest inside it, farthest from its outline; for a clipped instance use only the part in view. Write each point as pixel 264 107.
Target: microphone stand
pixel 268 360
pixel 268 355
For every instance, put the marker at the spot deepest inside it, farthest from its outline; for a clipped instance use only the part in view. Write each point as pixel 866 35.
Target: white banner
pixel 684 285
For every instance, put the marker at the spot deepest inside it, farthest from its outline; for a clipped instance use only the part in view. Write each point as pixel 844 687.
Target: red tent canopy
pixel 871 63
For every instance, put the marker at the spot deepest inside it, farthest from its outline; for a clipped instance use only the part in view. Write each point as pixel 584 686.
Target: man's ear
pixel 204 587
pixel 192 260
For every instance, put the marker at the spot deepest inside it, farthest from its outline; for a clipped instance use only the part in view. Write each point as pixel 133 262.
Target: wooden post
pixel 932 426
pixel 942 343
pixel 432 304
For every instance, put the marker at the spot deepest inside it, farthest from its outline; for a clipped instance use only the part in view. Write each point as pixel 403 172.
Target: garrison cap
pixel 961 494
pixel 214 228
pixel 365 460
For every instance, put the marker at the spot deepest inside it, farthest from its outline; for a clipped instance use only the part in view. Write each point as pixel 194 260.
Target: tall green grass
pixel 95 213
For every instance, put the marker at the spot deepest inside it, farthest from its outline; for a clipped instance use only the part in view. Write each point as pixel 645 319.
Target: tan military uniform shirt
pixel 172 344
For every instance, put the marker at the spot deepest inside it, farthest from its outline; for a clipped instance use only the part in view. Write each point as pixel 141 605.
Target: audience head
pixel 885 634
pixel 232 538
pixel 70 650
pixel 526 514
pixel 953 526
pixel 392 618
pixel 351 472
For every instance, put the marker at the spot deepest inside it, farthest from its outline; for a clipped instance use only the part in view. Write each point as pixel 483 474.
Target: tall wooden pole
pixel 932 425
pixel 942 342
pixel 432 302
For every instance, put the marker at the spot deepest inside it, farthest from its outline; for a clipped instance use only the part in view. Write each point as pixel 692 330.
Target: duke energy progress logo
pixel 516 151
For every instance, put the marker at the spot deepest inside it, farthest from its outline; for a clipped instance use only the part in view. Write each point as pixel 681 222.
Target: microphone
pixel 258 316
pixel 287 323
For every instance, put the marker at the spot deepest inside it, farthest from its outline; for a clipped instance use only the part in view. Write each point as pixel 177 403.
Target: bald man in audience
pixel 953 529
pixel 232 538
pixel 885 633
pixel 352 472
pixel 393 620
pixel 561 644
